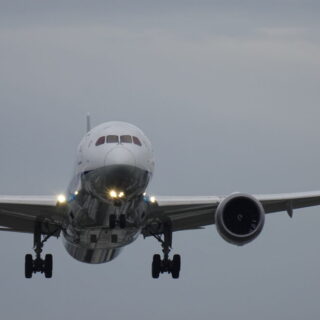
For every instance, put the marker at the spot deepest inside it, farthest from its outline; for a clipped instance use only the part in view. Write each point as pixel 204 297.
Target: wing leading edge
pixel 20 213
pixel 188 212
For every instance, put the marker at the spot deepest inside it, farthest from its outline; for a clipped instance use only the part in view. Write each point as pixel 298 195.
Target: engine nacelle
pixel 239 218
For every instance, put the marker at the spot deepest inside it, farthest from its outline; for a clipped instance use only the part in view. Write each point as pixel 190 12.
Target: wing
pixel 19 213
pixel 187 213
pixel 289 201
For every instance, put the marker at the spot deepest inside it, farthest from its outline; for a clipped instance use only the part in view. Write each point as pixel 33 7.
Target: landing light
pixel 61 198
pixel 153 199
pixel 115 195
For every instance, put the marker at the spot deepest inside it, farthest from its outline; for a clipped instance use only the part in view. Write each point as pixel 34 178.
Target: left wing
pixel 186 213
pixel 20 213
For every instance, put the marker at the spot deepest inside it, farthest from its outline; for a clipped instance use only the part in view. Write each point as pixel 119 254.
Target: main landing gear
pixel 166 265
pixel 38 264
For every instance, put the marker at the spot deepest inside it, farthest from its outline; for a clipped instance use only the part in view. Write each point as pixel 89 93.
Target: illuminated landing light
pixel 153 199
pixel 121 194
pixel 61 198
pixel 113 194
pixel 76 193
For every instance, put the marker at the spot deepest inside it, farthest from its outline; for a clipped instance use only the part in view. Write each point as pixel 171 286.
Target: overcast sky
pixel 228 93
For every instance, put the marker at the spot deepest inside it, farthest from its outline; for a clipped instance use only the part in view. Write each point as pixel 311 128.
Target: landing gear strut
pixel 38 264
pixel 166 265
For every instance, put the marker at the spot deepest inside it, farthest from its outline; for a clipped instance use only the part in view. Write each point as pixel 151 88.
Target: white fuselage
pixel 114 165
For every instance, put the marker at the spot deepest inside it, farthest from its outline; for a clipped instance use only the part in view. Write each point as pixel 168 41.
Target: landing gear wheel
pixel 122 221
pixel 165 265
pixel 38 264
pixel 28 267
pixel 112 221
pixel 175 266
pixel 156 266
pixel 48 262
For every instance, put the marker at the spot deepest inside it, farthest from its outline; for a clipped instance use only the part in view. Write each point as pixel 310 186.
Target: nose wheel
pixel 165 264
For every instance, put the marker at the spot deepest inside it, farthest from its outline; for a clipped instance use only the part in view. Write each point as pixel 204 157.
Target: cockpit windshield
pixel 136 141
pixel 100 141
pixel 112 139
pixel 126 139
pixel 117 139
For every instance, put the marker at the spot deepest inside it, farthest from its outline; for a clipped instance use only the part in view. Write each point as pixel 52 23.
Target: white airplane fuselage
pixel 106 198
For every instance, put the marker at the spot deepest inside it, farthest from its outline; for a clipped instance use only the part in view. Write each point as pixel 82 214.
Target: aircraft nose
pixel 120 156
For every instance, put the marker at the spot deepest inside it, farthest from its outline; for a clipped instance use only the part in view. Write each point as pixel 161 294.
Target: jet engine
pixel 239 218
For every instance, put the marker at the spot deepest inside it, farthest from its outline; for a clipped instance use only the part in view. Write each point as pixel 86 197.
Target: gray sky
pixel 227 91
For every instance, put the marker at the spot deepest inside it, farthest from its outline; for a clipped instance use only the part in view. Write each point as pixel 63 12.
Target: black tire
pixel 48 263
pixel 175 267
pixel 28 266
pixel 156 266
pixel 112 221
pixel 123 221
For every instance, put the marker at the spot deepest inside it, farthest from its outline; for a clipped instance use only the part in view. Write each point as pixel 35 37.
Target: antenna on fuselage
pixel 88 122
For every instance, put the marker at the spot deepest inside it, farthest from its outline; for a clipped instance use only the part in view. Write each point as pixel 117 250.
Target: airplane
pixel 106 206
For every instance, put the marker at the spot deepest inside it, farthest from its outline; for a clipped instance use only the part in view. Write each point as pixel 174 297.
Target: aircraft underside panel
pixel 89 255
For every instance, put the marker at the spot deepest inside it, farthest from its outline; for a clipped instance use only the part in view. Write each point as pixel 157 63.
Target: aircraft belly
pixel 98 245
pixel 91 255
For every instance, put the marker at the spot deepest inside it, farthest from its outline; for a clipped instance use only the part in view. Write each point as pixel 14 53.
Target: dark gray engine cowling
pixel 239 218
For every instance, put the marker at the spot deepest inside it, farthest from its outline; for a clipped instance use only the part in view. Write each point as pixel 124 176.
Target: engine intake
pixel 239 218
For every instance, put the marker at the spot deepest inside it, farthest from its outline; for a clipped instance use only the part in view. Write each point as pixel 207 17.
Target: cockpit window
pixel 136 141
pixel 112 139
pixel 100 141
pixel 126 139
